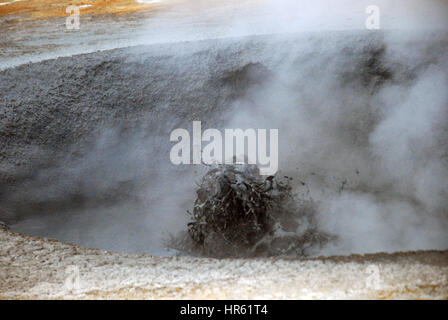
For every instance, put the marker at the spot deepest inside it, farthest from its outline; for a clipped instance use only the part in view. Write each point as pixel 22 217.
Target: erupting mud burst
pixel 239 213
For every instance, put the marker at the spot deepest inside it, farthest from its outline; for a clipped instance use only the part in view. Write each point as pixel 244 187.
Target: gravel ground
pixel 37 268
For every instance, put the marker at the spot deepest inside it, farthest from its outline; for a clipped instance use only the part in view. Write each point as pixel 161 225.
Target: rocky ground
pixel 37 268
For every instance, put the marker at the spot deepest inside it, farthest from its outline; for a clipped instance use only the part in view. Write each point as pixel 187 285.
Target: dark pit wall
pixel 85 139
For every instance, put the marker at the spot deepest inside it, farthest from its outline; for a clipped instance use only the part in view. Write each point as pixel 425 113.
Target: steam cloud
pixel 374 155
